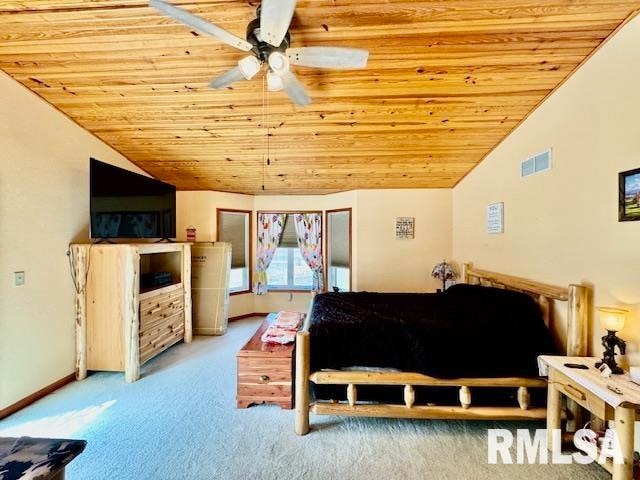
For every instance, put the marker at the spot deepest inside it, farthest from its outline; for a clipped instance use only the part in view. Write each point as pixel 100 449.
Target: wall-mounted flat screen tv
pixel 128 205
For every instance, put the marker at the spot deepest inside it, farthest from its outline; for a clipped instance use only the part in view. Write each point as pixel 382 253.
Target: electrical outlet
pixel 18 278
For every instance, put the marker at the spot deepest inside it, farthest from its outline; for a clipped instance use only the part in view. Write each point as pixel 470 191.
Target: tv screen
pixel 128 205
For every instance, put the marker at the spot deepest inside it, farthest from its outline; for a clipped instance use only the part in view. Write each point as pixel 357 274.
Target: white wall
pixel 44 206
pixel 389 265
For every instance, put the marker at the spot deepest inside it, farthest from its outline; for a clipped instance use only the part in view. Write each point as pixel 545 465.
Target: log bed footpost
pixel 465 397
pixel 409 396
pixel 302 383
pixel 524 398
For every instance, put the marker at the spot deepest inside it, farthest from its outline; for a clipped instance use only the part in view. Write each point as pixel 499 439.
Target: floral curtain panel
pixel 269 231
pixel 309 232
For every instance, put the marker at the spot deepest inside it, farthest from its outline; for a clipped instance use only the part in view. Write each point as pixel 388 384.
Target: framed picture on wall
pixel 629 197
pixel 404 228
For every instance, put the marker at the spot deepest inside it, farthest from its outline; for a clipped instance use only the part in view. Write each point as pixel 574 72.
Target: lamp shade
pixel 612 318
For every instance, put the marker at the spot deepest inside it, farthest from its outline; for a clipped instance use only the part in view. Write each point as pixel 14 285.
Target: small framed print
pixel 495 218
pixel 404 228
pixel 629 197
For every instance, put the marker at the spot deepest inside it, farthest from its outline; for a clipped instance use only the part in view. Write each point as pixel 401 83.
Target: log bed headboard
pixel 576 296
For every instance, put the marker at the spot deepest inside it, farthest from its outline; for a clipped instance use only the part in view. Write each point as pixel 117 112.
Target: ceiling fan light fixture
pixel 249 66
pixel 268 39
pixel 279 63
pixel 274 82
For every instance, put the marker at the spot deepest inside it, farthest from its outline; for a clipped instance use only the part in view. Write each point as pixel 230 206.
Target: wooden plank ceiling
pixel 446 81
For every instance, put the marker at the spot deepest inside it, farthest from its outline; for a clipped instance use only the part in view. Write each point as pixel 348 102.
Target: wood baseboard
pixel 34 397
pixel 248 315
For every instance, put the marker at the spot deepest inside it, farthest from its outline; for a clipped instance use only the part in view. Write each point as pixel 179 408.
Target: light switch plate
pixel 18 278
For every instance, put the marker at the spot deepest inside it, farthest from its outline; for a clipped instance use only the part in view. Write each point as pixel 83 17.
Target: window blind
pixel 289 238
pixel 234 229
pixel 339 239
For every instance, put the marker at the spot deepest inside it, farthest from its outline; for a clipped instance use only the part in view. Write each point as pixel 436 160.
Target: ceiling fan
pixel 268 41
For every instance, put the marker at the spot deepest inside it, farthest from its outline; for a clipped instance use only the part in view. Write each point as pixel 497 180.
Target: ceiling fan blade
pixel 295 90
pixel 227 78
pixel 275 18
pixel 328 57
pixel 200 24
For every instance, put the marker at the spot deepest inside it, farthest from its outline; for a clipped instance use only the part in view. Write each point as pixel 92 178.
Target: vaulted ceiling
pixel 446 81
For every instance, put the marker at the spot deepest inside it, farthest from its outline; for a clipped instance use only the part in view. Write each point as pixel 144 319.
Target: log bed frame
pixel 576 297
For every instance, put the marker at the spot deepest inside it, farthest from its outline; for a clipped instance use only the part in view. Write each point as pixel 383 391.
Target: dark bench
pixel 37 458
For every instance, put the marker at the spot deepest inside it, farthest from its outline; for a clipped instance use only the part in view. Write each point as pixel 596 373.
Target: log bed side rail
pixel 410 380
pixel 427 412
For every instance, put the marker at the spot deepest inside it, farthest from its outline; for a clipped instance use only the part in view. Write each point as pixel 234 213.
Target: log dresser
pixel 265 371
pixel 120 323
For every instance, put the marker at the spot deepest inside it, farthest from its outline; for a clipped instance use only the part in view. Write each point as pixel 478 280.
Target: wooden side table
pixel 265 371
pixel 591 391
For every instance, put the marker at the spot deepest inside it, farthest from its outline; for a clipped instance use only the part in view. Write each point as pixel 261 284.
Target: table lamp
pixel 612 319
pixel 445 273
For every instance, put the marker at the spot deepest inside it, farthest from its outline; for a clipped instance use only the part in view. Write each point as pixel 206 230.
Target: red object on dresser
pixel 265 371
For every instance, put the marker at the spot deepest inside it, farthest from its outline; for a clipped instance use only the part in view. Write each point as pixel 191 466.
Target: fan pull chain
pixel 268 125
pixel 265 125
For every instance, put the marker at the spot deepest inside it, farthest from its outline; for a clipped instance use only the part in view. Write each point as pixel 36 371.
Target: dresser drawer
pixel 160 337
pixel 155 309
pixel 581 396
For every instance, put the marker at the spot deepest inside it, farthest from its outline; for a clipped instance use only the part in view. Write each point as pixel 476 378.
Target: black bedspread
pixel 467 331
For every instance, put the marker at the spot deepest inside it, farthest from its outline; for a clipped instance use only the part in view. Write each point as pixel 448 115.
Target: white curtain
pixel 269 231
pixel 309 232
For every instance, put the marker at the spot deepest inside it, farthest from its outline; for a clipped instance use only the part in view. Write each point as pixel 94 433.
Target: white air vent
pixel 536 164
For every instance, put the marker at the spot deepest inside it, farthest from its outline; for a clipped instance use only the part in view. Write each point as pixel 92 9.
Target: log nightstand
pixel 591 391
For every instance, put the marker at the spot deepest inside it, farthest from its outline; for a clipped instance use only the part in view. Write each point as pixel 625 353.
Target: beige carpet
pixel 179 422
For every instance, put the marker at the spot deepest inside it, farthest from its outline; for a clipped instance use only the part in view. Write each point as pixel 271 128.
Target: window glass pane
pixel 339 245
pixel 277 271
pixel 340 278
pixel 239 279
pixel 289 270
pixel 233 227
pixel 302 274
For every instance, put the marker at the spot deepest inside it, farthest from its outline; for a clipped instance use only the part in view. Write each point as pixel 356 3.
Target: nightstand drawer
pixel 581 396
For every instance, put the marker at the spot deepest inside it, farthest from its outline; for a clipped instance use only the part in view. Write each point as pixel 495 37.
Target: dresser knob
pixel 264 378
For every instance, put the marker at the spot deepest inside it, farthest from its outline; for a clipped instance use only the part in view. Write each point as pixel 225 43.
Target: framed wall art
pixel 404 228
pixel 629 196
